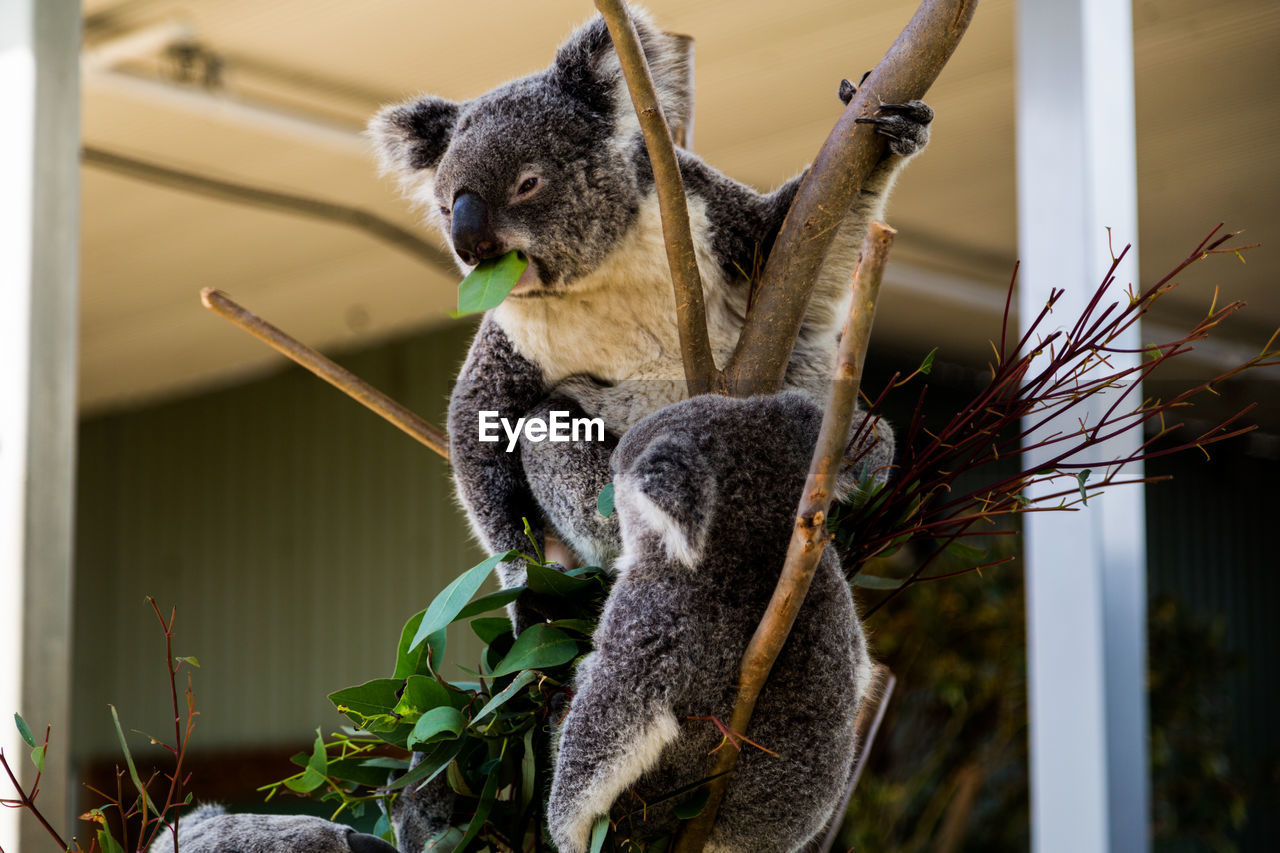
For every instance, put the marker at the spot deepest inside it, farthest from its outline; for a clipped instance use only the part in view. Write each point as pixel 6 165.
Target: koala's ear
pixel 669 489
pixel 587 67
pixel 412 137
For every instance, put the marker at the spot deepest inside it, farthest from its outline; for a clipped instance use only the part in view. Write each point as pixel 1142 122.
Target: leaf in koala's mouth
pixel 489 283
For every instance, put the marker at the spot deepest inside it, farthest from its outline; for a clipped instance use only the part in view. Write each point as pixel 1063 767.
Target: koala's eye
pixel 527 186
pixel 444 211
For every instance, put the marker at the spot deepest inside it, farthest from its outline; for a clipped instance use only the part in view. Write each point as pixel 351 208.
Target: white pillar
pixel 1086 571
pixel 39 251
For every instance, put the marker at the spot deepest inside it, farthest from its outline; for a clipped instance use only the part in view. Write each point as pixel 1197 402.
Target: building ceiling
pixel 271 95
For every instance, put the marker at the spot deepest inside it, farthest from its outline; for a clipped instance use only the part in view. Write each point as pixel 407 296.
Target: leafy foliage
pixel 488 736
pixel 139 808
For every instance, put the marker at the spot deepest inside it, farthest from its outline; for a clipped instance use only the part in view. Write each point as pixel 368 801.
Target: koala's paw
pixel 571 833
pixel 906 126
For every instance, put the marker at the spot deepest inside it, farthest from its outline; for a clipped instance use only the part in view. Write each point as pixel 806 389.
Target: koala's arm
pixel 621 718
pixel 491 482
pixel 566 479
pixel 744 223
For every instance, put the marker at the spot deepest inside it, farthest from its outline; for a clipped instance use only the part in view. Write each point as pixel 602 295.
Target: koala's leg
pixel 490 481
pixel 610 737
pixel 565 479
pixel 421 812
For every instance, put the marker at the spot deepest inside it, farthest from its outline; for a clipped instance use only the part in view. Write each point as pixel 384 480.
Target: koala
pixel 706 492
pixel 210 829
pixel 554 165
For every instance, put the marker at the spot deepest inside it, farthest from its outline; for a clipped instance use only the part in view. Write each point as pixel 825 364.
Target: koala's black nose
pixel 472 232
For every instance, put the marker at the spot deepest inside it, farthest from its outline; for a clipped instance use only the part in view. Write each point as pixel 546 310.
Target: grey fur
pixel 594 320
pixel 422 813
pixel 706 492
pixel 210 829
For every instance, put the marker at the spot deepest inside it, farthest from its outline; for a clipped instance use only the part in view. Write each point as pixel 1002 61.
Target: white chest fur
pixel 619 323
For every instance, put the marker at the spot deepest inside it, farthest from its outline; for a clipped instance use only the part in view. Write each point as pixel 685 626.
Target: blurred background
pixel 296 532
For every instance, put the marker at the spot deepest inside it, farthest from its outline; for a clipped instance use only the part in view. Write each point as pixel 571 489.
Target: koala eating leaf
pixel 706 491
pixel 554 165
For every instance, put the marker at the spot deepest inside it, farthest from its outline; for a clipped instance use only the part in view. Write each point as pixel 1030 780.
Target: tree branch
pixel 700 372
pixel 760 359
pixel 810 534
pixel 339 377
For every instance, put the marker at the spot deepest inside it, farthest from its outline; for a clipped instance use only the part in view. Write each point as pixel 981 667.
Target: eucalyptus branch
pixel 760 359
pixel 700 372
pixel 339 377
pixel 809 537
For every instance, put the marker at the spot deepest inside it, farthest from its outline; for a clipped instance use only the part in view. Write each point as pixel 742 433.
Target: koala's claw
pixel 848 90
pixel 906 126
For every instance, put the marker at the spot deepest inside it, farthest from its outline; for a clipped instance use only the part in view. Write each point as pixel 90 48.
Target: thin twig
pixel 700 371
pixel 339 377
pixel 28 802
pixel 760 359
pixel 809 537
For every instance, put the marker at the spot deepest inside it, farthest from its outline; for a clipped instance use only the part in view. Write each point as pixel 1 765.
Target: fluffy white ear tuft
pixel 667 490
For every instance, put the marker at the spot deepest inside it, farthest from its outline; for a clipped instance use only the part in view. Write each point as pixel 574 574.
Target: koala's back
pixel 805 714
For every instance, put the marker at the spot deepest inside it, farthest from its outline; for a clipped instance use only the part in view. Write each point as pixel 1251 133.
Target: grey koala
pixel 706 491
pixel 554 165
pixel 210 829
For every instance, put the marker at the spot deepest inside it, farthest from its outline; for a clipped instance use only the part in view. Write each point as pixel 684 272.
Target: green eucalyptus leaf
pixel 128 761
pixel 372 697
pixel 1080 480
pixel 411 661
pixel 441 723
pixel 693 806
pixel 382 828
pixel 489 283
pixel 965 551
pixel 319 761
pixel 599 832
pixel 107 842
pixel 521 681
pixel 422 694
pixel 538 647
pixel 491 628
pixel 875 582
pixel 431 766
pixel 37 758
pixel 305 783
pixel 547 581
pixel 487 798
pixel 486 603
pixel 25 730
pixel 926 366
pixel 604 503
pixel 361 771
pixel 528 770
pixel 449 603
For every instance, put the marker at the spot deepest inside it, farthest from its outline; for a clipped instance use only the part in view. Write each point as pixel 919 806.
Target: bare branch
pixel 905 73
pixel 339 377
pixel 810 536
pixel 700 370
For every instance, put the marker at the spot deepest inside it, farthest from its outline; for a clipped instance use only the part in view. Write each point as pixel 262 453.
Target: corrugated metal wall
pixel 294 530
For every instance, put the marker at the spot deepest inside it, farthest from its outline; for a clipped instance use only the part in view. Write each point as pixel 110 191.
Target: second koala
pixel 706 493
